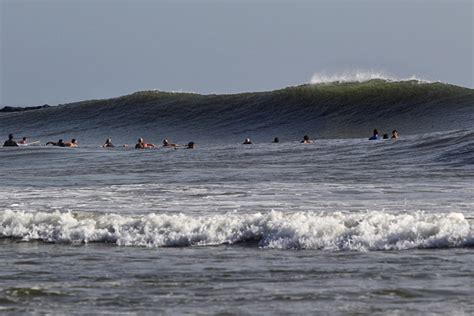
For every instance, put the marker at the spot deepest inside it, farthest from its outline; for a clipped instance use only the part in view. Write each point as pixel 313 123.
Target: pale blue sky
pixel 56 51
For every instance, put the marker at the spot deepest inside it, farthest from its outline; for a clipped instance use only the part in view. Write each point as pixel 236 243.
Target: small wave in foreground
pixel 301 230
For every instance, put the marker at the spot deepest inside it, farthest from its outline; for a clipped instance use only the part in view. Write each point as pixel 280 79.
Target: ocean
pixel 340 226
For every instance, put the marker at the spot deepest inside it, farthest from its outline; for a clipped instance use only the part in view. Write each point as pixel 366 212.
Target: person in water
pixel 142 145
pixel 108 143
pixel 23 141
pixel 375 135
pixel 276 140
pixel 247 141
pixel 190 145
pixel 10 142
pixel 306 140
pixel 59 143
pixel 166 143
pixel 395 134
pixel 72 143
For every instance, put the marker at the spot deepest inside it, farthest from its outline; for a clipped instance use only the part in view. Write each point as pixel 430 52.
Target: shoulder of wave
pixel 383 83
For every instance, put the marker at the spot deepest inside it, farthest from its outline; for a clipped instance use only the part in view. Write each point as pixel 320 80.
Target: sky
pixel 59 51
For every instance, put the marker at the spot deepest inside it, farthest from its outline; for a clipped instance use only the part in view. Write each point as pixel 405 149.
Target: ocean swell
pixel 324 110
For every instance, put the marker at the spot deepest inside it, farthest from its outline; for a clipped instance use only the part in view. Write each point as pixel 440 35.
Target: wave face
pixel 325 110
pixel 301 230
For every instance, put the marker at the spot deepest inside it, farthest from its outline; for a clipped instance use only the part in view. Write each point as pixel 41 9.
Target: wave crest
pixel 359 76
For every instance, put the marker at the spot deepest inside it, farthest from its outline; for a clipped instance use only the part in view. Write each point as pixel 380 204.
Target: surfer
pixel 276 140
pixel 375 136
pixel 59 143
pixel 23 141
pixel 108 143
pixel 306 140
pixel 166 143
pixel 10 142
pixel 247 141
pixel 142 145
pixel 72 143
pixel 191 145
pixel 395 134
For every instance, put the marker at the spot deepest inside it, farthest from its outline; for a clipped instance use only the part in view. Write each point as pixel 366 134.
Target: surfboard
pixel 35 143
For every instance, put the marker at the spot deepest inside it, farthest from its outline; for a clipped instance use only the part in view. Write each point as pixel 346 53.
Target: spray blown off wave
pixel 302 230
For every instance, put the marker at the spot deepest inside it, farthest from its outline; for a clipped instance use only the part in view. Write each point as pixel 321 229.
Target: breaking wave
pixel 302 230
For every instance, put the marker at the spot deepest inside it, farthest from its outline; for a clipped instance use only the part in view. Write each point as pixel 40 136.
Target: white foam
pixel 359 76
pixel 300 230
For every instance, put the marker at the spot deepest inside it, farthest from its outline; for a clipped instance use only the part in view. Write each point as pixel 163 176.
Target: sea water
pixel 334 227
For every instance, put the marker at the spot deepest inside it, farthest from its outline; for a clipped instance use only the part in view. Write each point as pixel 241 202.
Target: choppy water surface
pixel 336 226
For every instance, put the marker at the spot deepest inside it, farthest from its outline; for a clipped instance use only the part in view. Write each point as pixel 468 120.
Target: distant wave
pixel 301 230
pixel 325 110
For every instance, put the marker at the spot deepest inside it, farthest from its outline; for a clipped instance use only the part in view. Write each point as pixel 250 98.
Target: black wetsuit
pixel 10 143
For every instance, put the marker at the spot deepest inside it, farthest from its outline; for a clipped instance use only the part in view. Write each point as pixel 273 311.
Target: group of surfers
pixel 24 141
pixel 141 144
pixel 375 135
pixel 306 140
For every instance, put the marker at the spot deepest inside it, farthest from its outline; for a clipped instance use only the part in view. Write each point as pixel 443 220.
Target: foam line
pixel 301 230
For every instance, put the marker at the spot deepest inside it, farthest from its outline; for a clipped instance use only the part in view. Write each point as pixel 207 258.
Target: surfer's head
pixel 165 142
pixel 73 140
pixel 305 137
pixel 10 136
pixel 376 131
pixel 276 140
pixel 191 145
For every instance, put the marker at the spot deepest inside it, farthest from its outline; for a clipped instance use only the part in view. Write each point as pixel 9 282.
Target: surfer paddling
pixel 142 145
pixel 72 143
pixel 166 143
pixel 61 143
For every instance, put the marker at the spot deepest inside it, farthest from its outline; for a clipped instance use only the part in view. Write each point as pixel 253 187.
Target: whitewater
pixel 340 225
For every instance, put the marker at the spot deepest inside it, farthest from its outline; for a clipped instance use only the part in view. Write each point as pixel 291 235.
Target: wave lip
pixel 302 230
pixel 359 76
